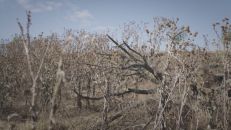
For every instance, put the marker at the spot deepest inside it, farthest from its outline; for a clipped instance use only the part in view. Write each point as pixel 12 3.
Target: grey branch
pixel 130 90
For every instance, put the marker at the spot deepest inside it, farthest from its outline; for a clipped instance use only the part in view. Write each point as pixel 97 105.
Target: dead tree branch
pixel 139 59
pixel 130 90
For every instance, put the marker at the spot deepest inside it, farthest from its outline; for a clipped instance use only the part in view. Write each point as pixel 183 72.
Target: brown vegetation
pixel 91 81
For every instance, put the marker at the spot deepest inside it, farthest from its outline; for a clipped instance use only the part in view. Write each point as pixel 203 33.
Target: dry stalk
pixel 224 39
pixel 159 116
pixel 106 105
pixel 183 101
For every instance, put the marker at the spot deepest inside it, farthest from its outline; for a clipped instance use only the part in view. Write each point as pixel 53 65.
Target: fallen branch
pixel 130 90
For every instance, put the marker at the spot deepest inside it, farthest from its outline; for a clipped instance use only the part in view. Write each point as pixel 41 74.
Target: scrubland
pixel 154 78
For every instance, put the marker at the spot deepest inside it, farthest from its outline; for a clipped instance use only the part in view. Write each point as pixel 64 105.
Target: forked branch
pixel 140 61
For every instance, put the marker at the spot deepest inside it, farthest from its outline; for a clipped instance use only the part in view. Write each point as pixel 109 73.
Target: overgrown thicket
pixel 154 78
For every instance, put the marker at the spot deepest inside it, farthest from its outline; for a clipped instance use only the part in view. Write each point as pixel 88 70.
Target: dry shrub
pixel 162 80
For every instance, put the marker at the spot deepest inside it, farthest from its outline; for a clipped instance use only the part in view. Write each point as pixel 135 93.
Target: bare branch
pixel 130 90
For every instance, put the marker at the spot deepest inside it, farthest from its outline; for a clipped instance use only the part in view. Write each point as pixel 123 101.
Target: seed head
pixel 214 25
pixel 147 31
pixel 195 34
pixel 187 29
pixel 177 19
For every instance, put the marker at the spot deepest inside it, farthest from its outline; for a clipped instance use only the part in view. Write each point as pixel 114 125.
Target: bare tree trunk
pixel 34 75
pixel 54 106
